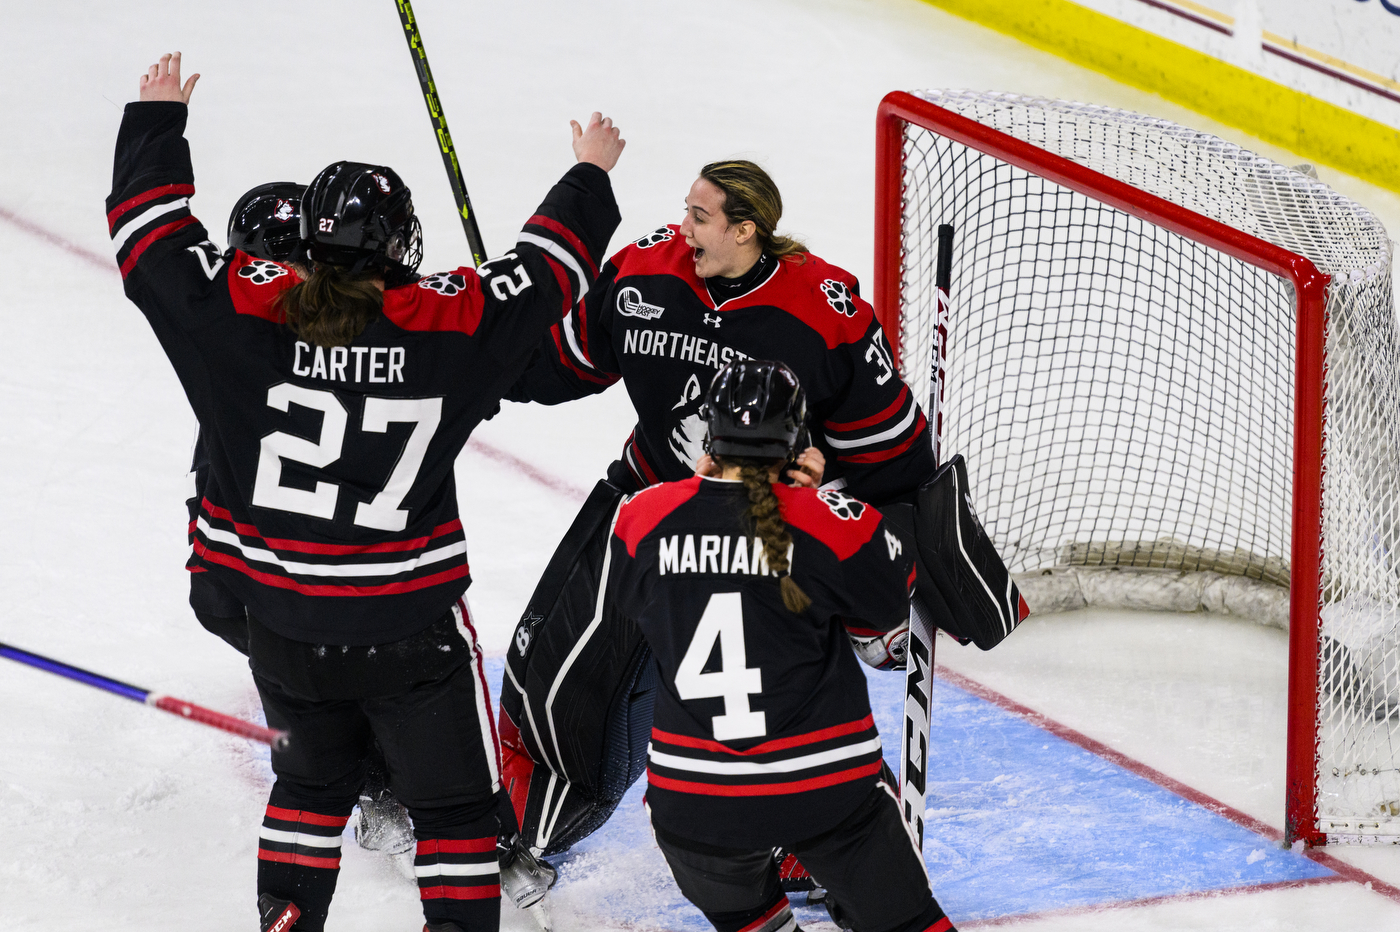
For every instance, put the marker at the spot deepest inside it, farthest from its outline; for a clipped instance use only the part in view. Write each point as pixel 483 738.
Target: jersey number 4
pixel 734 681
pixel 383 511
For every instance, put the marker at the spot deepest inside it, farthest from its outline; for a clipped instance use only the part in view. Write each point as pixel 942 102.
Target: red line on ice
pixel 1332 863
pixel 33 229
pixel 529 470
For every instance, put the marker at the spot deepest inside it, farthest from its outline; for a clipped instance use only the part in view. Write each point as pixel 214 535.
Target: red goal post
pixel 930 150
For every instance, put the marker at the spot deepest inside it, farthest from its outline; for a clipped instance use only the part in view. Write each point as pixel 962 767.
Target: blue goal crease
pixel 1005 799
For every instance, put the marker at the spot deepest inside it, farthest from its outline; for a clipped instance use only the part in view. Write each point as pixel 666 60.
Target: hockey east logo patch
pixel 655 238
pixel 446 284
pixel 260 271
pixel 842 505
pixel 839 297
pixel 630 304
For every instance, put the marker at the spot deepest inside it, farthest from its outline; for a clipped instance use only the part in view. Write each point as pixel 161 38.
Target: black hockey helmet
pixel 361 217
pixel 755 408
pixel 266 222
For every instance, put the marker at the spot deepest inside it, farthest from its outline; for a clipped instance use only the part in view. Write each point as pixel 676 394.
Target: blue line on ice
pixel 1019 821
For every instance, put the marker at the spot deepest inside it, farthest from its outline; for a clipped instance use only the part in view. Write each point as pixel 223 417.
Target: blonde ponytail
pixel 750 194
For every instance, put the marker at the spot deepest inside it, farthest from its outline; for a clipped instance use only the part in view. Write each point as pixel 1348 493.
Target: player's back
pixel 762 731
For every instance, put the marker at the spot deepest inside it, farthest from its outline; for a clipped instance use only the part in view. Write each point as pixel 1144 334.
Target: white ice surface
pixel 118 817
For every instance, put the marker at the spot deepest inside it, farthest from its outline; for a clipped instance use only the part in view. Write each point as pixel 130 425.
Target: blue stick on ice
pixel 277 739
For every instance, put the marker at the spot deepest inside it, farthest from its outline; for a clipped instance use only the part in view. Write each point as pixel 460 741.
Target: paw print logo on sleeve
pixel 839 297
pixel 260 271
pixel 446 284
pixel 842 505
pixel 655 238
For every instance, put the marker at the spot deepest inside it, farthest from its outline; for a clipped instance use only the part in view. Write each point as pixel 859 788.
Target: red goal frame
pixel 1310 285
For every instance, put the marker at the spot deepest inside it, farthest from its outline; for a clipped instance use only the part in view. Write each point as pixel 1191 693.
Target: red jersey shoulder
pixel 444 301
pixel 822 296
pixel 642 512
pixel 255 284
pixel 842 523
pixel 661 252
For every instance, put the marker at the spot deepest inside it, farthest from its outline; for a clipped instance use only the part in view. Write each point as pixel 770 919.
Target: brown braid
pixel 766 513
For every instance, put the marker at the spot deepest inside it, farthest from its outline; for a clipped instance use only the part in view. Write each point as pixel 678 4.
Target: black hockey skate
pixel 442 927
pixel 276 915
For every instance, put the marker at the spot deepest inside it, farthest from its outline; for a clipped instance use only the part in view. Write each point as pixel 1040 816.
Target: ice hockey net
pixel 1174 369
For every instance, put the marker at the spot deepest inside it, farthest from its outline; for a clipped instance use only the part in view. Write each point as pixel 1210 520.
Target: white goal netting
pixel 1124 395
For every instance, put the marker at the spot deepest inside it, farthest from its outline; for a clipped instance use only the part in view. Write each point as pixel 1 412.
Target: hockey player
pixel 265 223
pixel 750 593
pixel 334 411
pixel 666 313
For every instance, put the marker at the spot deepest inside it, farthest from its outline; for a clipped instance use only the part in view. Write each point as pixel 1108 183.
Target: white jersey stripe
pixel 894 431
pixel 461 611
pixel 739 768
pixel 574 349
pixel 457 870
pixel 343 570
pixel 126 230
pixel 560 253
pixel 300 838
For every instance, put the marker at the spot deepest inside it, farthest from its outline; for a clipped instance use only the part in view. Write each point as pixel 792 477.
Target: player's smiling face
pixel 719 247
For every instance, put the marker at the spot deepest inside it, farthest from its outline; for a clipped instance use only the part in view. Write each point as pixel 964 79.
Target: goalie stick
pixel 449 151
pixel 188 710
pixel 913 759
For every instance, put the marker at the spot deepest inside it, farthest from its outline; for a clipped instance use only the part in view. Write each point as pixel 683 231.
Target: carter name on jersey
pixel 349 363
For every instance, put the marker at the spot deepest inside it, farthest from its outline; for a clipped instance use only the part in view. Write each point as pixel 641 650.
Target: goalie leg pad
pixel 576 706
pixel 964 566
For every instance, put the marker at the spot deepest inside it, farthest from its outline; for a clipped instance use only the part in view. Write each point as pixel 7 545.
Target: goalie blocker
pixel 962 579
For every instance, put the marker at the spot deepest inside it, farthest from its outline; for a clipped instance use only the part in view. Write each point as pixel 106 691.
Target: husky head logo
pixel 260 271
pixel 839 297
pixel 842 505
pixel 688 436
pixel 446 284
pixel 630 304
pixel 381 181
pixel 654 238
pixel 284 210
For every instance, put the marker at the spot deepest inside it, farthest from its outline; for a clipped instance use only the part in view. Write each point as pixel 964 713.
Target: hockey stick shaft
pixel 943 281
pixel 444 138
pixel 913 760
pixel 188 710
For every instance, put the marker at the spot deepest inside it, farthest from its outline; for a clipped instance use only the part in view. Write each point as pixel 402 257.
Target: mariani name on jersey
pixel 334 364
pixel 646 342
pixel 716 554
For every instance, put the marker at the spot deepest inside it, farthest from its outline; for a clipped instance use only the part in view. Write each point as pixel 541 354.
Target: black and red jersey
pixel 652 322
pixel 330 509
pixel 762 732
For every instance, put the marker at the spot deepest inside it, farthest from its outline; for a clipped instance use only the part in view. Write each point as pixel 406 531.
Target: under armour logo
pixel 712 319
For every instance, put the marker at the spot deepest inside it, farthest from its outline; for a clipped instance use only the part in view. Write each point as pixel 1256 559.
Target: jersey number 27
pixel 734 681
pixel 383 511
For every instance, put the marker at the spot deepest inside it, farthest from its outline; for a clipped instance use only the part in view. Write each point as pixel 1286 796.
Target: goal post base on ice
pixel 1160 338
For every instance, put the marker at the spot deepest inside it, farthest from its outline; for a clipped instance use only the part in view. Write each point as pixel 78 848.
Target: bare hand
pixel 162 81
pixel 706 466
pixel 600 144
pixel 811 464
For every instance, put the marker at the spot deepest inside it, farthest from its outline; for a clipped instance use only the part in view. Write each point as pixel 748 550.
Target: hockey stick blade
pixel 277 740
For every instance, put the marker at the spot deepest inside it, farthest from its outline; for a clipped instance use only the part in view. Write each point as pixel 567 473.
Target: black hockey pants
pixel 874 877
pixel 424 699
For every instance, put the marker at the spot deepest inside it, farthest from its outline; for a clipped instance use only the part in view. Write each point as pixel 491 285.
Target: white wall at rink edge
pixel 1346 52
